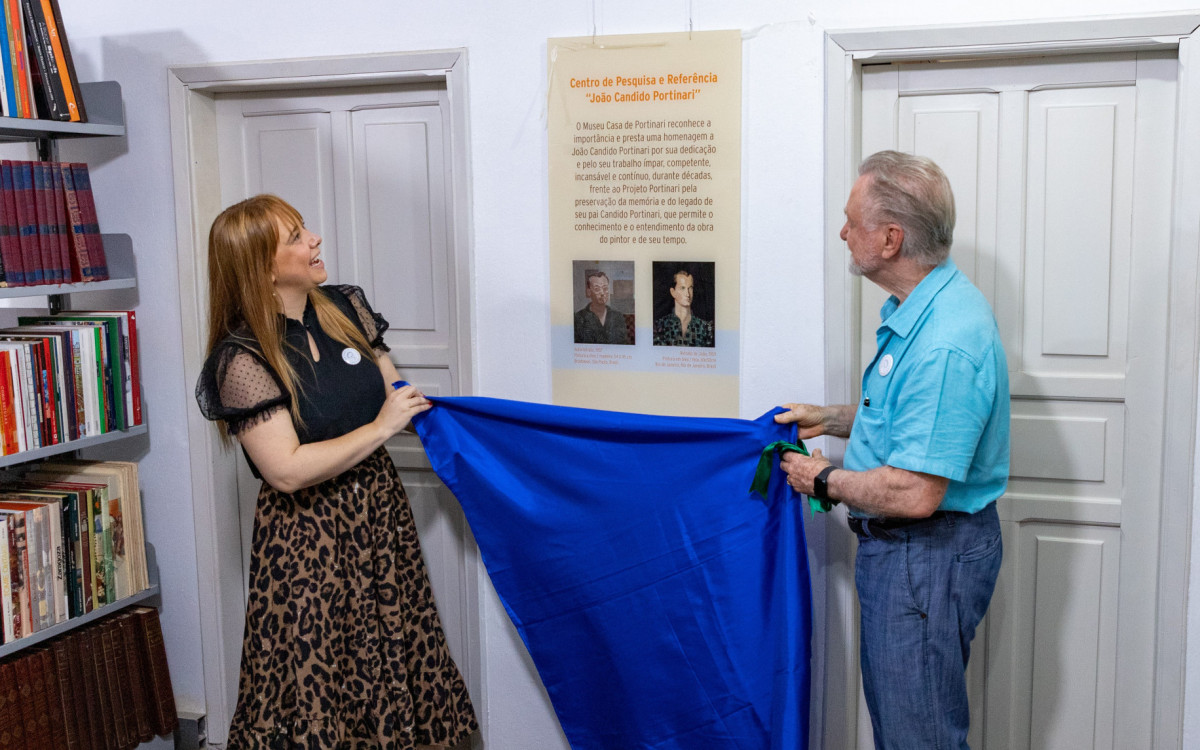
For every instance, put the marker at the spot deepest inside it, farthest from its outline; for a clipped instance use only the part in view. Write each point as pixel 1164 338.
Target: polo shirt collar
pixel 901 318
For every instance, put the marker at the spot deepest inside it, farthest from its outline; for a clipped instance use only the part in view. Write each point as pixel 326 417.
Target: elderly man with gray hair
pixel 927 456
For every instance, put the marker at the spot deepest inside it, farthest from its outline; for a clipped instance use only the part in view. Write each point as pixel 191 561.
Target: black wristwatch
pixel 821 483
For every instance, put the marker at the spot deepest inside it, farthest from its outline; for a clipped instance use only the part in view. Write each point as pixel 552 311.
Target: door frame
pixel 192 89
pixel 846 51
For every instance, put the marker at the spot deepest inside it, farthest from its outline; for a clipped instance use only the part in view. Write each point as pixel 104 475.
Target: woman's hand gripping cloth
pixel 664 605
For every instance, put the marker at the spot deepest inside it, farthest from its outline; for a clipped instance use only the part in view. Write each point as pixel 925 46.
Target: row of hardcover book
pixel 101 686
pixel 49 232
pixel 68 376
pixel 38 78
pixel 73 541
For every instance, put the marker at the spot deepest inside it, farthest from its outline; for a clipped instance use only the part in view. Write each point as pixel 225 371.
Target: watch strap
pixel 821 483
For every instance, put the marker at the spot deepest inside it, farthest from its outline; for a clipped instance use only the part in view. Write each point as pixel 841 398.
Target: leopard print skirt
pixel 343 647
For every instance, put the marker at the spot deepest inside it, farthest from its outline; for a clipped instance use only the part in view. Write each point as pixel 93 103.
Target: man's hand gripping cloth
pixel 664 604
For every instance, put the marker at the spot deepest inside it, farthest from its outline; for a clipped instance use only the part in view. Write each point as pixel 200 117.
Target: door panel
pixel 1053 209
pixel 1078 240
pixel 289 154
pixel 1072 574
pixel 399 172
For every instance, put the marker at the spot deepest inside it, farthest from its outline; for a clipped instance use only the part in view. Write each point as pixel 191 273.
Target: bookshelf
pixel 119 250
pixel 105 119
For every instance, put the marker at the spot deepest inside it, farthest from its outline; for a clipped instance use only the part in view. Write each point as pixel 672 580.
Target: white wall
pixel 134 42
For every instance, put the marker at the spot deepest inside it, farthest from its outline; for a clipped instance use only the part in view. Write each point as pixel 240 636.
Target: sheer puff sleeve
pixel 237 387
pixel 372 323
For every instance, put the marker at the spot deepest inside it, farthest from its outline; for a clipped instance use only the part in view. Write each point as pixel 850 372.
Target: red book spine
pixel 134 371
pixel 81 265
pixel 49 391
pixel 87 207
pixel 26 211
pixel 62 235
pixel 10 229
pixel 8 414
pixel 10 245
pixel 43 207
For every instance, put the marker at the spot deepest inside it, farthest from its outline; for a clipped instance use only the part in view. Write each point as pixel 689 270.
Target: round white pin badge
pixel 885 365
pixel 351 356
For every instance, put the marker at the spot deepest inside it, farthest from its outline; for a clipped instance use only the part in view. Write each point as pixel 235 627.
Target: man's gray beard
pixel 855 269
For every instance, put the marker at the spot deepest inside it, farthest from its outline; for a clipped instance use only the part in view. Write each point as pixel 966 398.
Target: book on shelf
pixel 12 720
pixel 45 558
pixel 23 681
pixel 163 717
pixel 38 79
pixel 68 376
pixel 82 180
pixel 21 608
pixel 7 81
pixel 10 230
pixel 86 677
pixel 28 572
pixel 54 81
pixel 49 230
pixel 18 60
pixel 49 704
pixel 119 479
pixel 114 671
pixel 103 685
pixel 64 701
pixel 7 631
pixel 73 540
pixel 25 211
pixel 135 666
pixel 44 199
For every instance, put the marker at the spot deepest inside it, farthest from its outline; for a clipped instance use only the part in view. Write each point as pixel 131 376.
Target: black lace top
pixel 339 392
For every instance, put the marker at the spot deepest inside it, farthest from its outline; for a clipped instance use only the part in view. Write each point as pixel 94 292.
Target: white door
pixel 368 169
pixel 1061 168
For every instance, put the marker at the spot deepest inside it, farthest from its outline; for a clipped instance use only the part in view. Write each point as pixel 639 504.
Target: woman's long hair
pixel 241 260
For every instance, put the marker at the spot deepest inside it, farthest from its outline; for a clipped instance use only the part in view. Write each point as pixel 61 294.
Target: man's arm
pixel 883 491
pixel 812 421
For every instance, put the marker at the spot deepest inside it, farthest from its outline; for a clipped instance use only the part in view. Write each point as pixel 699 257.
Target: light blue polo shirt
pixel 935 398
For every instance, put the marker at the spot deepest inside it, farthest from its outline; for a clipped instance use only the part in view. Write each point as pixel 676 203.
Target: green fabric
pixel 762 474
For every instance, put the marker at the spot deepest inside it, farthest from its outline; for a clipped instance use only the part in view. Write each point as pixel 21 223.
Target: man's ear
pixel 893 240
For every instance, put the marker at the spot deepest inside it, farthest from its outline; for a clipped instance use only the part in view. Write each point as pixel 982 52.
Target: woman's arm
pixel 288 466
pixel 390 375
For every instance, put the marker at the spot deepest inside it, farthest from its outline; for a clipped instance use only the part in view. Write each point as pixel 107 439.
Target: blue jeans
pixel 923 588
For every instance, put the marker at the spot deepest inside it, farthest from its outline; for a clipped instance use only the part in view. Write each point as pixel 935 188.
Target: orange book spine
pixel 8 415
pixel 60 60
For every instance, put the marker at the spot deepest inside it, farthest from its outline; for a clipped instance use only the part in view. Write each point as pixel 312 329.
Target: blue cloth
pixel 935 398
pixel 664 605
pixel 918 620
